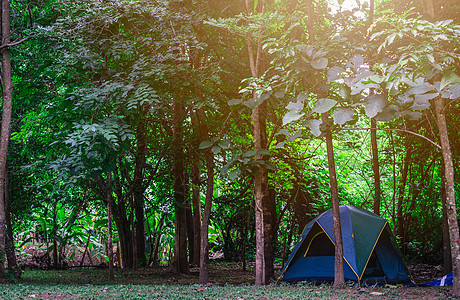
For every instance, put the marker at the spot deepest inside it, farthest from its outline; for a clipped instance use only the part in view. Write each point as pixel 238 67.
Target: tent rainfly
pixel 370 252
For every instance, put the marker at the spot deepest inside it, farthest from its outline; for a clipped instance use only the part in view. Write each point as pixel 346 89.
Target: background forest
pixel 225 127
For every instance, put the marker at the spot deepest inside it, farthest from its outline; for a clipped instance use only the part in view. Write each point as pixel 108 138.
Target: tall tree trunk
pixel 245 240
pixel 439 107
pixel 204 134
pixel 375 167
pixel 7 90
pixel 264 246
pixel 196 206
pixel 204 251
pixel 158 239
pixel 339 277
pixel 195 168
pixel 124 234
pixel 190 232
pixel 180 220
pixel 55 243
pixel 109 226
pixel 447 261
pixel 139 189
pixel 13 266
pixel 402 187
pixel 375 151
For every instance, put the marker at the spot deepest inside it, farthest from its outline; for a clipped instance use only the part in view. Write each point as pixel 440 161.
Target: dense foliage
pixel 128 103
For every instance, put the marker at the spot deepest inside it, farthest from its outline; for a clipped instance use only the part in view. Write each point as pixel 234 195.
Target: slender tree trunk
pixel 375 167
pixel 109 226
pixel 139 190
pixel 132 232
pixel 180 221
pixel 447 261
pixel 158 239
pixel 402 188
pixel 204 252
pixel 190 233
pixel 339 277
pixel 13 266
pixel 245 241
pixel 264 246
pixel 196 205
pixel 7 89
pixel 439 107
pixel 55 243
pixel 124 234
pixel 375 151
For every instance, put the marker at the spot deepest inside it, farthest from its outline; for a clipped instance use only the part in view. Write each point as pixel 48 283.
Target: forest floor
pixel 228 281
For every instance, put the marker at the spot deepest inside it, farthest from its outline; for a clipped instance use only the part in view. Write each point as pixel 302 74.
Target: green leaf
pixel 320 63
pixel 314 124
pixel 425 97
pixel 234 174
pixel 391 38
pixel 234 102
pixel 418 90
pixel 295 136
pixel 388 114
pixel 356 62
pixel 295 106
pixel 449 79
pixel 249 153
pixel 414 115
pixel 264 96
pixel 280 94
pixel 205 144
pixel 302 97
pixel 291 117
pixel 343 115
pixel 216 149
pixel 345 92
pixel 250 103
pixel 376 78
pixel 323 105
pixel 283 131
pixel 224 144
pixel 375 104
pixel 262 152
pixel 420 105
pixel 280 145
pixel 334 73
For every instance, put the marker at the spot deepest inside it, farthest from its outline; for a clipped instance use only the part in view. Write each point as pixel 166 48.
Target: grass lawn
pixel 162 284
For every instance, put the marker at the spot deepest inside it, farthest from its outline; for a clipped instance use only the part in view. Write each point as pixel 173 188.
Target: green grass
pixel 93 284
pixel 162 291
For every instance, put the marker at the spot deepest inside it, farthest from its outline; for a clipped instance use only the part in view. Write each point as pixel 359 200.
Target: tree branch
pixel 14 43
pixel 400 130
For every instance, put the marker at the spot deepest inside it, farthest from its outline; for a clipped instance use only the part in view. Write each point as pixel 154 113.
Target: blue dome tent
pixel 370 252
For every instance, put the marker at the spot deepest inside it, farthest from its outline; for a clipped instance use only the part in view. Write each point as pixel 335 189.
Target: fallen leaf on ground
pixel 375 293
